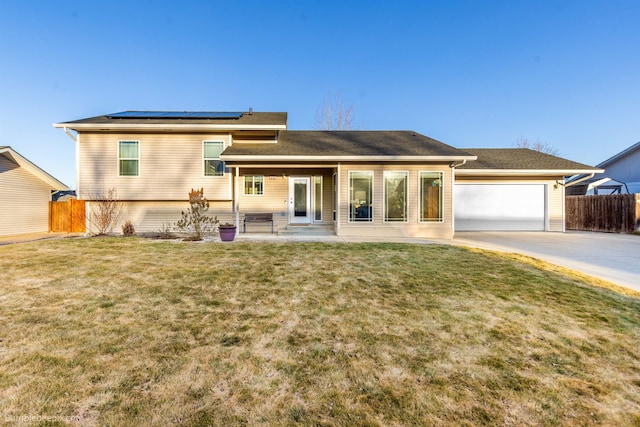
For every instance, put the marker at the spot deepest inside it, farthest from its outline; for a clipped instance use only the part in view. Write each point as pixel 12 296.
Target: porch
pixel 300 200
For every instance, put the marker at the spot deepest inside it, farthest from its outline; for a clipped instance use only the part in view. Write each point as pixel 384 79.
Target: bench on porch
pixel 258 218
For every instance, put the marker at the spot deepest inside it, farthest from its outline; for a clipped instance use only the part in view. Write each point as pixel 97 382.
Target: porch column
pixel 236 202
pixel 337 196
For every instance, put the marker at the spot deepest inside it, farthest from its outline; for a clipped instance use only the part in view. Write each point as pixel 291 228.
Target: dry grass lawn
pixel 128 331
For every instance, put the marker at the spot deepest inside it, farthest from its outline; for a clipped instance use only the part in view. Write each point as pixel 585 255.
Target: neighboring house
pixel 357 183
pixel 622 175
pixel 25 192
pixel 624 167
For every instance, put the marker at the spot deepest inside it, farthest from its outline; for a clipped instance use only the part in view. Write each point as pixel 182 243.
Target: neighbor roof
pixel 346 145
pixel 23 162
pixel 620 155
pixel 521 161
pixel 179 120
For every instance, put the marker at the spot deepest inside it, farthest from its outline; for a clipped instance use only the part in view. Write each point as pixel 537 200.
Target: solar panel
pixel 176 115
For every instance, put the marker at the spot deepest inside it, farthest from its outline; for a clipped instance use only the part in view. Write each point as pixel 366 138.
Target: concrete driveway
pixel 612 257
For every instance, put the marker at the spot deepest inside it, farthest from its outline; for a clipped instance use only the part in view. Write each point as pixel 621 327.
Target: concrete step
pixel 307 230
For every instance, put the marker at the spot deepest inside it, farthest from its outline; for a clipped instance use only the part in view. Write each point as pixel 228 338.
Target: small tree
pixel 540 146
pixel 195 218
pixel 334 114
pixel 105 209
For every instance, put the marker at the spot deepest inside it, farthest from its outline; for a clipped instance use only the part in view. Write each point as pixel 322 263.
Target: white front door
pixel 300 200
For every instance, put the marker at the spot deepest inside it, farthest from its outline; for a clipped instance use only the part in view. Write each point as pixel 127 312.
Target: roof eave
pixel 30 167
pixel 292 158
pixel 163 126
pixel 620 155
pixel 525 172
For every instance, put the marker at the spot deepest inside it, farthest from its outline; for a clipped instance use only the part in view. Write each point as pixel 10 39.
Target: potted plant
pixel 227 232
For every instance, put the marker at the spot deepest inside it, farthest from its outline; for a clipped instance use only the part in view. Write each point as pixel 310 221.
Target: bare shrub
pixel 195 219
pixel 128 229
pixel 105 210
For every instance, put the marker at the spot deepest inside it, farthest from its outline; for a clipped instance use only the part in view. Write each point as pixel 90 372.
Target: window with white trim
pixel 128 158
pixel 211 151
pixel 360 196
pixel 431 194
pixel 395 196
pixel 253 185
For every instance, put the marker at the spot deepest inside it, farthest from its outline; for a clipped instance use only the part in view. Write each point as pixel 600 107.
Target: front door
pixel 299 200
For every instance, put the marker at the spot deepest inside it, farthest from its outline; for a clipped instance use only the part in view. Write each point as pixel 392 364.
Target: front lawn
pixel 128 331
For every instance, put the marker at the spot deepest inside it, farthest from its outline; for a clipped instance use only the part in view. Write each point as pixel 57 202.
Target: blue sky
pixel 480 73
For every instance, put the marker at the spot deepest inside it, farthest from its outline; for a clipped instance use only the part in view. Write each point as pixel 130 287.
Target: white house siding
pixel 412 228
pixel 171 164
pixel 24 200
pixel 553 194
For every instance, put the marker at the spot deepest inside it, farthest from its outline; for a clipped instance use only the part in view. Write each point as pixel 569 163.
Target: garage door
pixel 499 207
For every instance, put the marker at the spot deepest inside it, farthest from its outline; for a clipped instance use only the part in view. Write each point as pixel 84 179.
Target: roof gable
pixel 15 157
pixel 620 155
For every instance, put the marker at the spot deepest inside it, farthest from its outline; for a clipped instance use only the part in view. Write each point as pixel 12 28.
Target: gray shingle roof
pixel 342 144
pixel 519 159
pixel 620 155
pixel 254 118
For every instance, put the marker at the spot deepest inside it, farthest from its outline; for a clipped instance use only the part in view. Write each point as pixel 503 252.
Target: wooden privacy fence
pixel 616 213
pixel 67 216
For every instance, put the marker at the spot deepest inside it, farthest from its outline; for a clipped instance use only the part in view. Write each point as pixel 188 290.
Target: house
pixel 25 192
pixel 354 183
pixel 622 175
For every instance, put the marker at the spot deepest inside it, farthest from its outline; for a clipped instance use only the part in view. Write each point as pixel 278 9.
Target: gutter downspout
pixel 76 139
pixel 584 178
pixel 66 130
pixel 453 166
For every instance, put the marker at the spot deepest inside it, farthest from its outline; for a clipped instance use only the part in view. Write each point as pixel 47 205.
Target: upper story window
pixel 213 166
pixel 129 158
pixel 253 185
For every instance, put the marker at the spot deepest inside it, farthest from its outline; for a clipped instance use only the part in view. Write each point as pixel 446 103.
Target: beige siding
pixel 170 166
pixel 154 216
pixel 274 199
pixel 276 196
pixel 412 228
pixel 554 195
pixel 555 209
pixel 24 200
pixel 327 200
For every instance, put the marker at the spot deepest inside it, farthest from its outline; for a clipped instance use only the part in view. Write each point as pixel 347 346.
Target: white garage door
pixel 499 207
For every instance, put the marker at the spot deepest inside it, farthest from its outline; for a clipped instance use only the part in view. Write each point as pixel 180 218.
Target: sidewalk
pixel 32 237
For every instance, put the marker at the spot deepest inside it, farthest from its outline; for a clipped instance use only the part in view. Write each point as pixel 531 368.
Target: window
pixel 360 196
pixel 253 185
pixel 431 196
pixel 129 158
pixel 213 166
pixel 317 201
pixel 395 196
